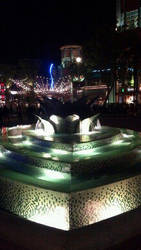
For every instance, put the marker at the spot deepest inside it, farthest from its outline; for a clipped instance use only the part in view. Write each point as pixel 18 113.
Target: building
pixel 70 54
pixel 128 14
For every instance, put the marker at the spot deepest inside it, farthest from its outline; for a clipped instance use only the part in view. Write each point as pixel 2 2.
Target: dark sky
pixel 36 29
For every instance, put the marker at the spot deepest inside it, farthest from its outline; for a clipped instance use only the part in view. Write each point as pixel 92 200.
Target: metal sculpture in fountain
pixel 70 125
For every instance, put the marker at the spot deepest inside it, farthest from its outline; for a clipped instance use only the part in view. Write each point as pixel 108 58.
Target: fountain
pixel 69 172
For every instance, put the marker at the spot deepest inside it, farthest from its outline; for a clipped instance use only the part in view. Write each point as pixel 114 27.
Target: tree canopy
pixel 110 49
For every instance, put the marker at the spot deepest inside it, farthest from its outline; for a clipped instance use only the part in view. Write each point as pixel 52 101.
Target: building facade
pixel 70 54
pixel 128 14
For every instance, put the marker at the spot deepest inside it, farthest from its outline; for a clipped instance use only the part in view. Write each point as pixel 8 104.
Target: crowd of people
pixel 24 113
pixel 18 113
pixel 118 109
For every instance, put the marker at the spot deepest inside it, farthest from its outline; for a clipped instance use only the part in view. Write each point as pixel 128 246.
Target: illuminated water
pixel 68 173
pixel 53 161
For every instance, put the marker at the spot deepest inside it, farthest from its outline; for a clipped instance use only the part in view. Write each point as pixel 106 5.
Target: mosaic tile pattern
pixel 51 164
pixel 98 143
pixel 77 146
pixel 90 165
pixel 95 164
pixel 36 204
pixel 69 211
pixel 93 205
pixel 32 161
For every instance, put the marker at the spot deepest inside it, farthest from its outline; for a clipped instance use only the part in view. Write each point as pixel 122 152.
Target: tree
pixel 116 51
pixel 101 53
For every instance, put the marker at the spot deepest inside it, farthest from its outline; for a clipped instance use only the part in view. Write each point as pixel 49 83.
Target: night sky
pixel 37 29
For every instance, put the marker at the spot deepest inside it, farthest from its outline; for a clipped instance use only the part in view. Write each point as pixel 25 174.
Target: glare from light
pixel 127 136
pixel 55 158
pixel 56 218
pixel 87 152
pixel 98 125
pixel 15 136
pixel 13 128
pixel 84 126
pixel 74 117
pixel 111 210
pixel 54 118
pixel 27 142
pixel 78 59
pixel 51 174
pixel 46 155
pixel 13 92
pixel 98 211
pixel 59 151
pixel 1 154
pixel 46 126
pixel 39 132
pixel 118 142
pixel 24 126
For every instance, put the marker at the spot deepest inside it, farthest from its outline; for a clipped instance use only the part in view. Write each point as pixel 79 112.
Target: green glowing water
pixel 71 163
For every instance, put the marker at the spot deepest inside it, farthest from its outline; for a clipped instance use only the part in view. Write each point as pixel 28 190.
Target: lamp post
pixel 78 61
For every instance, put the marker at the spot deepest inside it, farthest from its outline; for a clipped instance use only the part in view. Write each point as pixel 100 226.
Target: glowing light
pixel 15 136
pixel 12 128
pixel 132 81
pixel 127 136
pixel 56 218
pixel 55 158
pixel 39 132
pixel 54 118
pixel 25 126
pixel 45 126
pixel 118 142
pixel 78 59
pixel 52 81
pixel 27 142
pixel 41 86
pixel 13 92
pixel 112 210
pixel 1 154
pixel 84 126
pixel 87 152
pixel 130 99
pixel 59 151
pixel 74 117
pixel 51 174
pixel 97 211
pixel 46 155
pixel 98 125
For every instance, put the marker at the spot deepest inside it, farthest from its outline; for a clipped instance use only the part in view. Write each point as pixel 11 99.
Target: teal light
pixel 70 179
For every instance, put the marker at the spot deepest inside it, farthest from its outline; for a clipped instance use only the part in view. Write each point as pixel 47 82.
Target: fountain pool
pixel 69 173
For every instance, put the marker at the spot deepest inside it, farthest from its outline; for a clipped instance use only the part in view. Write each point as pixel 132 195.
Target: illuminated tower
pixel 70 54
pixel 128 14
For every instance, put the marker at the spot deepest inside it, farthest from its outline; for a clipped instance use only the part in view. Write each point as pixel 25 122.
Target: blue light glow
pixel 51 77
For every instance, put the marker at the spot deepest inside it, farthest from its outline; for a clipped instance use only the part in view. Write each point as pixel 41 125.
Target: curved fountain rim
pixel 77 137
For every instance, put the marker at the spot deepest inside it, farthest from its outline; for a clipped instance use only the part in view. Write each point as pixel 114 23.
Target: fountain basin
pixel 70 180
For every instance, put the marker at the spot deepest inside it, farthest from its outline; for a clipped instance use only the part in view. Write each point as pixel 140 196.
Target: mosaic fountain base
pixel 68 183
